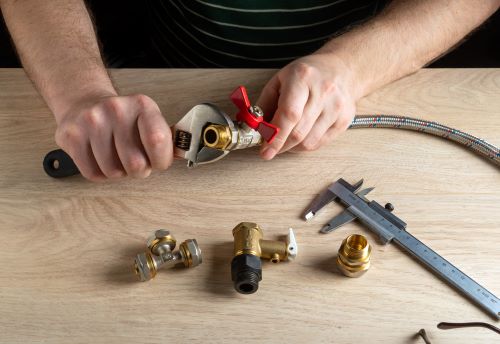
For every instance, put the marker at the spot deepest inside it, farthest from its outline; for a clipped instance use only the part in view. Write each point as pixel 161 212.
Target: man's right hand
pixel 116 136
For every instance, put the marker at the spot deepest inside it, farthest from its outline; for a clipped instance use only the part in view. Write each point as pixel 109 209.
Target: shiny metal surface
pixel 161 254
pixel 194 123
pixel 471 142
pixel 389 227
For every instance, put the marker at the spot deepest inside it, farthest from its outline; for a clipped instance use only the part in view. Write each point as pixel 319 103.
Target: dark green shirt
pixel 239 33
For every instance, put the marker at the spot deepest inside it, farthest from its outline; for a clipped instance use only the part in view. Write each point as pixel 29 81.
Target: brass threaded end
pixel 356 247
pixel 217 136
pixel 275 258
pixel 354 256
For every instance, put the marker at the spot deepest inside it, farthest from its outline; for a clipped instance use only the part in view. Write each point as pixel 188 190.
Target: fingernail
pixel 268 153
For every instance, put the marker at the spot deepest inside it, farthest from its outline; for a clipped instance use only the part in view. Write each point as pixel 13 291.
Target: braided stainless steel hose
pixel 475 144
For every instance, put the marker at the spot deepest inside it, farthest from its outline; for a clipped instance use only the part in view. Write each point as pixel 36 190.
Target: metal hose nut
pixel 161 252
pixel 353 259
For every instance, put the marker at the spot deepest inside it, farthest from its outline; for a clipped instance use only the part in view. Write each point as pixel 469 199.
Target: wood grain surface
pixel 67 246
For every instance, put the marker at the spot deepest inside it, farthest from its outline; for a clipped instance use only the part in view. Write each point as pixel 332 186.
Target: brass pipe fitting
pixel 217 136
pixel 353 259
pixel 161 252
pixel 249 248
pixel 222 137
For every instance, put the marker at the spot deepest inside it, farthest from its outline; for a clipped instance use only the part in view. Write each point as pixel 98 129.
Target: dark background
pixel 124 40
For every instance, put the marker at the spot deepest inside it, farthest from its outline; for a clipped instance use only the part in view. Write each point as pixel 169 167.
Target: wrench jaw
pixel 188 133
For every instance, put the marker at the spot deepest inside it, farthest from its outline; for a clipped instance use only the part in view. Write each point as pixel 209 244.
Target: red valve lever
pixel 251 116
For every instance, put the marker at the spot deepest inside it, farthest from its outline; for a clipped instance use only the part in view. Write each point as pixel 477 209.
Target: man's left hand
pixel 312 101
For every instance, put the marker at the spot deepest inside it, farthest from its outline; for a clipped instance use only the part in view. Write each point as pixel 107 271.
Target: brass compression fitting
pixel 161 252
pixel 353 259
pixel 249 248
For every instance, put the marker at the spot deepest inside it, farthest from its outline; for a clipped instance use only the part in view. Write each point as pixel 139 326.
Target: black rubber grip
pixel 58 164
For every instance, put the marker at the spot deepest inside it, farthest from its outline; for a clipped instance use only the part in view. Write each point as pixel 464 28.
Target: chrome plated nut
pixel 142 268
pixel 194 252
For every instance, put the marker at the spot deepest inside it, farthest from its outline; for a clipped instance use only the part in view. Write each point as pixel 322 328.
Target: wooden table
pixel 67 246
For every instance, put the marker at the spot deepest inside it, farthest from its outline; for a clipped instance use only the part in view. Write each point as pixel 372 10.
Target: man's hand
pixel 106 135
pixel 115 136
pixel 312 99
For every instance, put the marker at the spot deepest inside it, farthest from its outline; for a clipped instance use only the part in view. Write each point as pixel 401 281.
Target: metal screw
pixel 389 206
pixel 256 111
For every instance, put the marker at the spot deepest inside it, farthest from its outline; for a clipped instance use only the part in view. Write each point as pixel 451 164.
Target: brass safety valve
pixel 249 248
pixel 354 256
pixel 161 252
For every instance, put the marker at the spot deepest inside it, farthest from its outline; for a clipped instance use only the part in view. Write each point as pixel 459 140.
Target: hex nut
pixel 194 252
pixel 142 269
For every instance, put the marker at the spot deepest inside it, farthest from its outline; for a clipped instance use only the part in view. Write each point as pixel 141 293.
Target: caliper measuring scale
pixel 389 228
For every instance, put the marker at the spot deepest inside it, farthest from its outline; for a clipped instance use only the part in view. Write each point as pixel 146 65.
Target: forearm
pixel 58 48
pixel 406 36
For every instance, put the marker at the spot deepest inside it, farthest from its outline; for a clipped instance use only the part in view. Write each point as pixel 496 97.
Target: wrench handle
pixel 58 164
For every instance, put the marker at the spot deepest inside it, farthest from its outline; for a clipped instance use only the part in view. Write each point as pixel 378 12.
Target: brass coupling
pixel 249 248
pixel 353 259
pixel 160 253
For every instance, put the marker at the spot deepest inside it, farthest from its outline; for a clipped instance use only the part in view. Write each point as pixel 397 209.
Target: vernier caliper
pixel 389 228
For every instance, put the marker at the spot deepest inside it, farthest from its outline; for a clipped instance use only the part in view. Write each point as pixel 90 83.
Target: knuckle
pixel 93 119
pixel 136 164
pixel 328 87
pixel 297 135
pixel 303 70
pixel 142 100
pixel 156 139
pixel 115 108
pixel 68 135
pixel 292 114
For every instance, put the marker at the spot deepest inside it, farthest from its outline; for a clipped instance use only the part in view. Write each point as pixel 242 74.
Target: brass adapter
pixel 229 138
pixel 217 136
pixel 354 255
pixel 161 252
pixel 249 248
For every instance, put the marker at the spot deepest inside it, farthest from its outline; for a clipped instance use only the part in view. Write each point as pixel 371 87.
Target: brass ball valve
pixel 249 248
pixel 161 252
